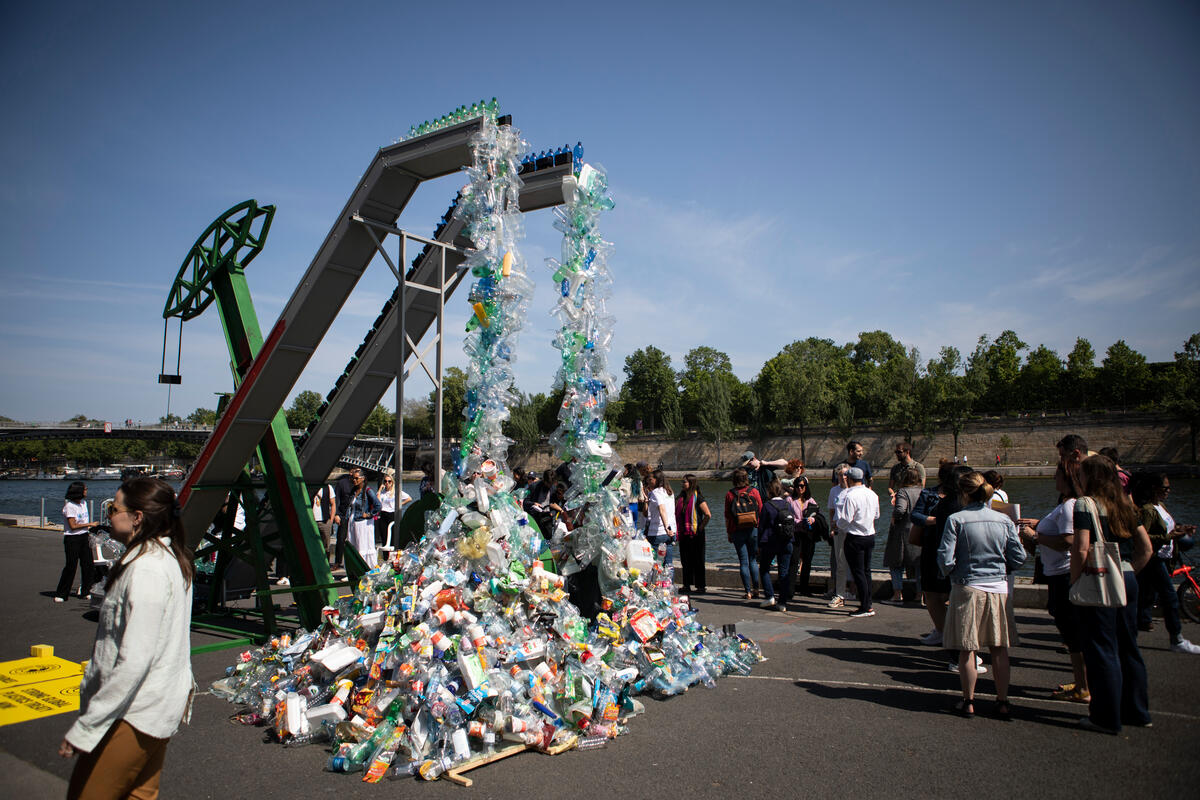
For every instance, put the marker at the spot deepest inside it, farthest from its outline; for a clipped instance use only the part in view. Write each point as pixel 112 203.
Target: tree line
pixel 810 383
pixel 876 379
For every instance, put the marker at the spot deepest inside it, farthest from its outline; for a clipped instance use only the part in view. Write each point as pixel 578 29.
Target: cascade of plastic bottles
pixel 466 641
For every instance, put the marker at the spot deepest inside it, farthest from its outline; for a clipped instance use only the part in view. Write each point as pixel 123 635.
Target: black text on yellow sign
pixel 39 686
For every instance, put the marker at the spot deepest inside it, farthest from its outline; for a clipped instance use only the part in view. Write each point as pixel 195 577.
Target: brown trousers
pixel 126 763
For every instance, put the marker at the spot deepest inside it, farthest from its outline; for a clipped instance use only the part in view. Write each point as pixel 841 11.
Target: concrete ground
pixel 842 707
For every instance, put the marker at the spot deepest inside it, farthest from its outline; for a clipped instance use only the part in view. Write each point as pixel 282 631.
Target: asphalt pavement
pixel 841 707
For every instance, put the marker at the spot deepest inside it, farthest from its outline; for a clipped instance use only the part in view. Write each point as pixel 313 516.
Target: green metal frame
pixel 214 269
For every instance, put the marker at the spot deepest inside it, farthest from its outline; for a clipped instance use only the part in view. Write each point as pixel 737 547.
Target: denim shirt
pixel 979 546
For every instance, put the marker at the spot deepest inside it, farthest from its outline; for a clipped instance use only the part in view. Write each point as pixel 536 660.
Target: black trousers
pixel 339 549
pixel 691 560
pixel 806 546
pixel 79 552
pixel 385 519
pixel 858 558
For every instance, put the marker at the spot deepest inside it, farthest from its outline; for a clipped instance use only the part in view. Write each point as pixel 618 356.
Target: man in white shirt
pixel 856 511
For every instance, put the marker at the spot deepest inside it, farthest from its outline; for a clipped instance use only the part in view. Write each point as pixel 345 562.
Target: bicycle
pixel 1188 592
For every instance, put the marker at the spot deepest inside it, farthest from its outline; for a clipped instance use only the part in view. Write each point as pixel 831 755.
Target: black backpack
pixel 745 510
pixel 784 528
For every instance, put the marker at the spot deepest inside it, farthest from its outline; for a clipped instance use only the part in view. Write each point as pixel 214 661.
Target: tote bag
pixel 1102 583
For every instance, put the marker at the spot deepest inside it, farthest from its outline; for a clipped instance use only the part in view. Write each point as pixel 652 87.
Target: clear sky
pixel 939 170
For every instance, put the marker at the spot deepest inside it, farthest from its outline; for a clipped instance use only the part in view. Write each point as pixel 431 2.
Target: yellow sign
pixel 38 686
pixel 35 700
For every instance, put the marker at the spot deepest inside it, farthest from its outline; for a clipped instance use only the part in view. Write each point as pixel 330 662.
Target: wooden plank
pixel 456 775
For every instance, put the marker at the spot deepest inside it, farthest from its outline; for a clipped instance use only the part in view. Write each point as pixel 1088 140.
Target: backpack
pixel 784 528
pixel 745 510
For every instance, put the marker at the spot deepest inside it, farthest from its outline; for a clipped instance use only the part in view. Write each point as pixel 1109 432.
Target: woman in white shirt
pixel 75 543
pixel 387 507
pixel 1054 534
pixel 661 512
pixel 136 689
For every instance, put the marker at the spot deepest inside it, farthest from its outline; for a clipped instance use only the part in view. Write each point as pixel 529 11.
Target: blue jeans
pixel 745 542
pixel 1115 669
pixel 669 559
pixel 1154 583
pixel 764 566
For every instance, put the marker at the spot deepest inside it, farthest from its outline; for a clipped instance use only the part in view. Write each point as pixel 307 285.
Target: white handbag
pixel 1102 583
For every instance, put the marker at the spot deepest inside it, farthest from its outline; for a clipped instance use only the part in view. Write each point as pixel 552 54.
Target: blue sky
pixel 939 170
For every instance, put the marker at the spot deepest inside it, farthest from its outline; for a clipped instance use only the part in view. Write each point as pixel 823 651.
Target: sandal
pixel 965 708
pixel 1002 711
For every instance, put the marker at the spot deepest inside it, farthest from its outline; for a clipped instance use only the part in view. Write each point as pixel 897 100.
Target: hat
pixel 747 456
pixel 854 473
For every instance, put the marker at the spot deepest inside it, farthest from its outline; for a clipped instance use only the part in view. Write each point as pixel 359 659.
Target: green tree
pixel 900 379
pixel 454 400
pixel 1006 444
pixel 1081 373
pixel 714 418
pixel 303 410
pixel 870 358
pixel 380 422
pixel 202 416
pixel 814 382
pixel 1041 379
pixel 1124 374
pixel 843 420
pixel 1183 397
pixel 952 395
pixel 650 388
pixel 699 364
pixel 170 419
pixel 522 424
pixel 998 363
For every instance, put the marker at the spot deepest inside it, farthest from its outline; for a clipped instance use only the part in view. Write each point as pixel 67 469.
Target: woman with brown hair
pixel 743 505
pixel 692 516
pixel 1115 669
pixel 136 690
pixel 978 550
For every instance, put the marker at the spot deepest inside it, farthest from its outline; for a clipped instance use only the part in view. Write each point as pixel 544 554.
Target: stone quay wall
pixel 1139 439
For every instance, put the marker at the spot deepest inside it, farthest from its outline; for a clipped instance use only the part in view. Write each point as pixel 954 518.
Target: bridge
pixel 373 453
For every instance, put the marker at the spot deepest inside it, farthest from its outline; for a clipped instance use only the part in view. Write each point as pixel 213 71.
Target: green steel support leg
pixel 303 548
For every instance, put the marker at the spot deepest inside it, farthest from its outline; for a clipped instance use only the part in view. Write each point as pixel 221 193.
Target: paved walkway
pixel 845 708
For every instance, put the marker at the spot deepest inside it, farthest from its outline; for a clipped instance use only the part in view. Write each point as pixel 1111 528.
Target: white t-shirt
pixel 1000 496
pixel 387 500
pixel 856 511
pixel 317 515
pixel 661 522
pixel 1059 522
pixel 80 513
pixel 835 495
pixel 1168 549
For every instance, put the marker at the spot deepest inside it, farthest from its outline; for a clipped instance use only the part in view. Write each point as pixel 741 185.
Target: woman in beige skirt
pixel 978 550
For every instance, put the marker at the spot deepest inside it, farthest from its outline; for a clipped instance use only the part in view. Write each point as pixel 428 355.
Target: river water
pixel 1036 496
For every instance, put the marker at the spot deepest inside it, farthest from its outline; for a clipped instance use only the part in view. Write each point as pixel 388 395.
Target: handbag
pixel 1102 583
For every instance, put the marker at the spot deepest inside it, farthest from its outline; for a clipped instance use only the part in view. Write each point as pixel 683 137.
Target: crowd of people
pixel 961 543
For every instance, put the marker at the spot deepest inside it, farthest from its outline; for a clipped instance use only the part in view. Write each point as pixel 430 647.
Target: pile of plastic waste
pixel 469 640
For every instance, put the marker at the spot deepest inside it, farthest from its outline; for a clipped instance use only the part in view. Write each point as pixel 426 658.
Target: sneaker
pixel 283 582
pixel 836 602
pixel 869 612
pixel 60 599
pixel 768 603
pixel 933 638
pixel 980 669
pixel 1184 646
